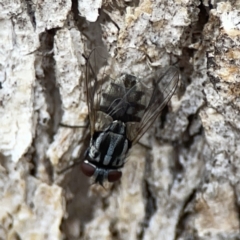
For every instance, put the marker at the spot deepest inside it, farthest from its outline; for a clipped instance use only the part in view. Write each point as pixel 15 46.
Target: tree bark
pixel 181 181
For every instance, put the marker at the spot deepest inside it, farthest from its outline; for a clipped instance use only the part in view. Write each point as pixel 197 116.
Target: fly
pixel 120 110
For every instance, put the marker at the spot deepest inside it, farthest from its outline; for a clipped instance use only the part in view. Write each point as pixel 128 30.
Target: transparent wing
pixel 94 83
pixel 164 86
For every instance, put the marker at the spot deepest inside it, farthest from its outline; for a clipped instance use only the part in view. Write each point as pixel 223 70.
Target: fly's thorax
pixel 107 153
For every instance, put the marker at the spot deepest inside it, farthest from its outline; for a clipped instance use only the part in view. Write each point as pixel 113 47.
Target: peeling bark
pixel 180 182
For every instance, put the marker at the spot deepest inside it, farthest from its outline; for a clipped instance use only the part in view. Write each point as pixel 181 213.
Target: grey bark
pixel 180 182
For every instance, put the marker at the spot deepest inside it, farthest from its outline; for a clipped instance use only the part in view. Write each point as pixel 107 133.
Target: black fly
pixel 120 112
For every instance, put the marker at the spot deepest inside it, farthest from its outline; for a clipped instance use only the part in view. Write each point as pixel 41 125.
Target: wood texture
pixel 180 182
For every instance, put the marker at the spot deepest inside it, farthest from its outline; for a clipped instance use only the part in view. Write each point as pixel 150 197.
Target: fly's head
pixel 99 173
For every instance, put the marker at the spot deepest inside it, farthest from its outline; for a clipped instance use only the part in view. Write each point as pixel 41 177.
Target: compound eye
pixel 114 175
pixel 88 169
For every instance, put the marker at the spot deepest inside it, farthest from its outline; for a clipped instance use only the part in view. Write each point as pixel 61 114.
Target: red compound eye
pixel 88 169
pixel 114 175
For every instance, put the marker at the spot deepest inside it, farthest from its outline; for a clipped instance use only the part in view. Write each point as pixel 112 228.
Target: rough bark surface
pixel 181 181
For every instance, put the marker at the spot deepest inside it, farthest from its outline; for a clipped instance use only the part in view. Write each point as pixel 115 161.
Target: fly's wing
pixel 94 81
pixel 121 99
pixel 164 86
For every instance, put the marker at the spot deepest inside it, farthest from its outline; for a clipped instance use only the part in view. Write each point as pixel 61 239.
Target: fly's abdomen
pixel 123 100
